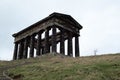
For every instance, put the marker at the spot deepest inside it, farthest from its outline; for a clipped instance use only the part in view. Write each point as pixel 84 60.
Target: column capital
pixel 47 29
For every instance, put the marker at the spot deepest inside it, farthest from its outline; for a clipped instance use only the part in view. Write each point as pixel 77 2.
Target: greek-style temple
pixel 43 37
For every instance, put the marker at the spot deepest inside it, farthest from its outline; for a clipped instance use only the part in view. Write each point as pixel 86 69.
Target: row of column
pixel 21 47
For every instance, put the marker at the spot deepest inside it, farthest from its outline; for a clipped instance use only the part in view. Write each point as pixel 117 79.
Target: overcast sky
pixel 100 20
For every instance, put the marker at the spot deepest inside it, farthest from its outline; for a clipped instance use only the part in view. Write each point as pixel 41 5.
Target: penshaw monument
pixel 30 43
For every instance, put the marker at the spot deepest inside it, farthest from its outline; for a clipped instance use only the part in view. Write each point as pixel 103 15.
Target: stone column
pixel 62 47
pixel 70 47
pixel 46 41
pixel 76 46
pixel 38 52
pixel 49 48
pixel 25 52
pixel 20 54
pixel 32 40
pixel 54 39
pixel 43 51
pixel 15 51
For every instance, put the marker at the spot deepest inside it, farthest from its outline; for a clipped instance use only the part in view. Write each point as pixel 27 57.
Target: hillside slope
pixel 57 67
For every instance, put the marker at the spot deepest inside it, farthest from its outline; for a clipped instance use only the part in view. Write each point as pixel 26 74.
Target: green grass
pixel 57 67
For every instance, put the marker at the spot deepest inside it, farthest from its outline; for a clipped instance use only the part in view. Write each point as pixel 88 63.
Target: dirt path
pixel 3 75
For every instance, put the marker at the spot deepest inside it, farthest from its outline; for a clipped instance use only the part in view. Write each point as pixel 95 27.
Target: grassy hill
pixel 58 67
